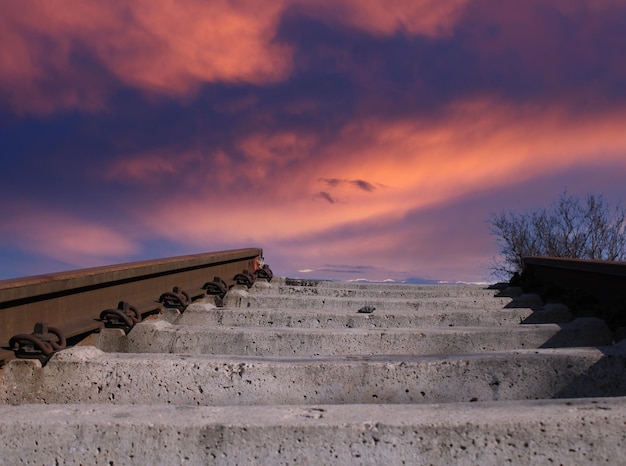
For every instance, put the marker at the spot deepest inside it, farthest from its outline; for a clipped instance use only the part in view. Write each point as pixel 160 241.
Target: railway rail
pixel 587 287
pixel 168 364
pixel 73 301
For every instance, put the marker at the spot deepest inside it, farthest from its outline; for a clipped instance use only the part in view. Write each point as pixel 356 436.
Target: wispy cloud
pixel 342 268
pixel 430 18
pixel 360 184
pixel 327 197
pixel 66 238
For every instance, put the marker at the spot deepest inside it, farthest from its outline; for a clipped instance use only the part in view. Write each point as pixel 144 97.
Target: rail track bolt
pixel 41 344
pixel 176 299
pixel 244 278
pixel 124 317
pixel 218 289
pixel 264 273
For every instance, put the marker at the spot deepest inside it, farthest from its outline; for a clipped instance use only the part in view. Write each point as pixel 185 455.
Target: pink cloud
pixel 168 48
pixel 279 185
pixel 152 167
pixel 63 237
pixel 281 190
pixel 164 47
pixel 476 143
pixel 258 160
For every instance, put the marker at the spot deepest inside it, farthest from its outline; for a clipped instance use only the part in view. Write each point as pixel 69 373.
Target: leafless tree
pixel 570 227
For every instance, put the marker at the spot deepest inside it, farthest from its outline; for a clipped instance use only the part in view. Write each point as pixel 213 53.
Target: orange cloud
pixel 162 47
pixel 476 144
pixel 376 171
pixel 479 145
pixel 72 54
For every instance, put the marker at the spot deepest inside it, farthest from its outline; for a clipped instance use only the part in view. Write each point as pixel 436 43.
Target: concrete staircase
pixel 305 372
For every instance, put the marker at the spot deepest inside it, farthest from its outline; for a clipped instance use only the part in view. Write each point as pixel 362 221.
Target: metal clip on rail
pixel 175 299
pixel 264 273
pixel 41 344
pixel 124 317
pixel 218 289
pixel 244 278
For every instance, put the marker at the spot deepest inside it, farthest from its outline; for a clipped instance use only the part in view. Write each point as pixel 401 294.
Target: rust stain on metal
pixel 177 299
pixel 42 343
pixel 125 316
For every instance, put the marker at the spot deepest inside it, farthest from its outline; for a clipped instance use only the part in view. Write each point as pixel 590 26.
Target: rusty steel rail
pixel 72 301
pixel 588 287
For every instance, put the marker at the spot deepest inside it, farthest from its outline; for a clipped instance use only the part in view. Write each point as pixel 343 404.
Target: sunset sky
pixel 347 138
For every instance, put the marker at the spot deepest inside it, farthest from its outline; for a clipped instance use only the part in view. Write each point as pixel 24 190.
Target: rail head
pixel 27 287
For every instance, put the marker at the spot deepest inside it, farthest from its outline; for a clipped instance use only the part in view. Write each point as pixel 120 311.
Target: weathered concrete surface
pixel 88 375
pixel 344 290
pixel 301 403
pixel 159 336
pixel 572 432
pixel 205 314
pixel 242 298
pixel 366 286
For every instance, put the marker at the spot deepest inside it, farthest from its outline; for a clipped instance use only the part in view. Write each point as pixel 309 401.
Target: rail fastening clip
pixel 176 299
pixel 124 317
pixel 41 344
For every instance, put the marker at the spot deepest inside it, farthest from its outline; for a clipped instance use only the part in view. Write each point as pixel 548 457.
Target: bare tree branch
pixel 571 228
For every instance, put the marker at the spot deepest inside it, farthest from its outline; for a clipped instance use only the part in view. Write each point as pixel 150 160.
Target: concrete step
pixel 89 375
pixel 243 299
pixel 387 291
pixel 291 373
pixel 364 285
pixel 159 336
pixel 203 313
pixel 568 432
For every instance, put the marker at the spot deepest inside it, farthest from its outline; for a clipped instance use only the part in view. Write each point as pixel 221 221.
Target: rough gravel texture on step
pixel 159 336
pixel 389 291
pixel 243 299
pixel 309 380
pixel 88 375
pixel 572 432
pixel 202 313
